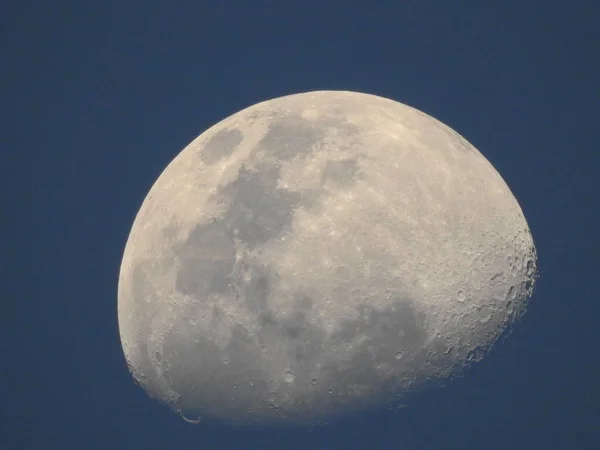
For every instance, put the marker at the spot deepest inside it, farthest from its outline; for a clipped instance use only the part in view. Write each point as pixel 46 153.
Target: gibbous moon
pixel 316 255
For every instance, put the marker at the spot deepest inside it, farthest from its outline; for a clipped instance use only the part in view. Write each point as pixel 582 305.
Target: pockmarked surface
pixel 319 254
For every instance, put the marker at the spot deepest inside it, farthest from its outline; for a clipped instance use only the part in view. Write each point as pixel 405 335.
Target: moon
pixel 317 255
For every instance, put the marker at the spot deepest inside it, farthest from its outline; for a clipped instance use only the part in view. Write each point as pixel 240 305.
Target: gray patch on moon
pixel 195 362
pixel 398 325
pixel 220 146
pixel 192 361
pixel 255 291
pixel 292 136
pixel 342 173
pixel 207 258
pixel 258 210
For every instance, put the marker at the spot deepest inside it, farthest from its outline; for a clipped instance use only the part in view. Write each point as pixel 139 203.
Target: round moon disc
pixel 315 255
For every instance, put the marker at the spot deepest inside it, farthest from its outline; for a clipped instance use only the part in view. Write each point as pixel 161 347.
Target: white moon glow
pixel 315 255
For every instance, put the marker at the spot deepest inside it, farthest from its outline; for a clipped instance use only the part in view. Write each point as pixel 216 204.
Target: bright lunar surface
pixel 315 255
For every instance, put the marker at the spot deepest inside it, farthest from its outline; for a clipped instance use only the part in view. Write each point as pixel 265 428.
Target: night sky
pixel 96 98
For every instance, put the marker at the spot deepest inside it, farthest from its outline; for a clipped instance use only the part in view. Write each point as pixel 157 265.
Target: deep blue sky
pixel 97 97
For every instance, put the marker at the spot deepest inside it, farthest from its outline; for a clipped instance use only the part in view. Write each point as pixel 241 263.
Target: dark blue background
pixel 97 97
